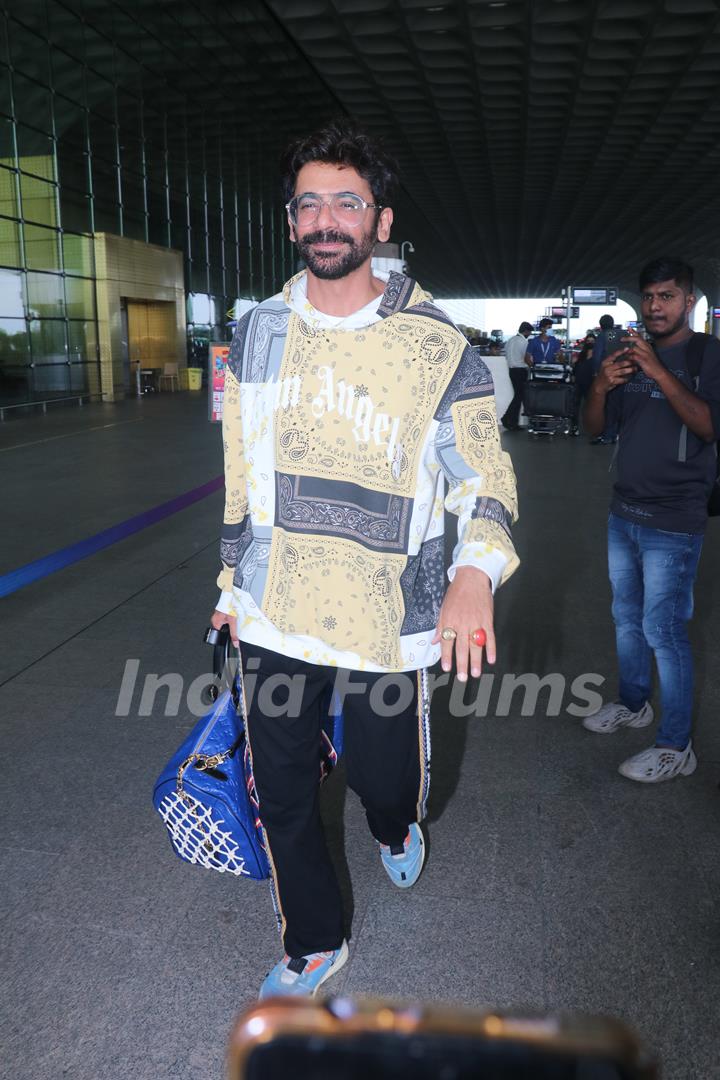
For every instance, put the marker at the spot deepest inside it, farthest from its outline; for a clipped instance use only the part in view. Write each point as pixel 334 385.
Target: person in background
pixel 583 369
pixel 609 434
pixel 545 348
pixel 516 354
pixel 665 398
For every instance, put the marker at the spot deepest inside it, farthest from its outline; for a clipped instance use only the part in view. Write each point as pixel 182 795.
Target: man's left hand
pixel 643 354
pixel 467 606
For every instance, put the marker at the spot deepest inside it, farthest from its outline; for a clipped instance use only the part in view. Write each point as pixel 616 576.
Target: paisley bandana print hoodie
pixel 345 440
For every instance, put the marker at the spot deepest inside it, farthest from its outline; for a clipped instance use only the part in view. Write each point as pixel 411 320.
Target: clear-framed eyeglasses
pixel 346 208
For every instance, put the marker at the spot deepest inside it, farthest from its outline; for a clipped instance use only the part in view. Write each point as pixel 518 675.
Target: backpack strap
pixel 694 355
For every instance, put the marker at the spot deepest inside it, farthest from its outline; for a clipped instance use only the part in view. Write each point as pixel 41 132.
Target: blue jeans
pixel 652 573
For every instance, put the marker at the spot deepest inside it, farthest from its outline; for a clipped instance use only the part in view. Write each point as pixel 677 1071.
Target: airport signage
pixel 594 294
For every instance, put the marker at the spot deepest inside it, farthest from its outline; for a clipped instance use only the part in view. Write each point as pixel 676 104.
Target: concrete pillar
pixel 707 275
pixel 632 298
pixel 713 299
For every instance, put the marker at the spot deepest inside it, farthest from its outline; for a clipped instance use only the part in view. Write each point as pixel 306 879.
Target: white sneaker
pixel 659 763
pixel 610 717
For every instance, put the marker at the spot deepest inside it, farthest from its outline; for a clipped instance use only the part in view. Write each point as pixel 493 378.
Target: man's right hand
pixel 615 369
pixel 218 619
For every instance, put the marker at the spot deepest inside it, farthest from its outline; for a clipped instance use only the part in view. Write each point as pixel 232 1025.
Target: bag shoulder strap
pixel 695 353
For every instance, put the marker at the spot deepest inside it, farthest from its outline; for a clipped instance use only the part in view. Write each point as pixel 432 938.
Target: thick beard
pixel 332 267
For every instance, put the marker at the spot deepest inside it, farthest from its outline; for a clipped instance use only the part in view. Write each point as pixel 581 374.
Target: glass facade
pixel 94 139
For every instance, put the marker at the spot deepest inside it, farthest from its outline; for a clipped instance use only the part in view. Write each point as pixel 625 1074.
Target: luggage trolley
pixel 550 400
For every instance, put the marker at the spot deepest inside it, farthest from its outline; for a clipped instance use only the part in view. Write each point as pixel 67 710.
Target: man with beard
pixel 350 402
pixel 666 399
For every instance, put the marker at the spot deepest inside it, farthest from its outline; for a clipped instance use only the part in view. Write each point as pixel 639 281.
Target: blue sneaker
pixel 404 863
pixel 302 976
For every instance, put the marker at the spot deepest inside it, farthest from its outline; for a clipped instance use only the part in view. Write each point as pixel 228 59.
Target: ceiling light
pixel 434 9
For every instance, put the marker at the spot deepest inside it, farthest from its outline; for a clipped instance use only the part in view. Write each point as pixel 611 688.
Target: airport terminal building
pixel 541 144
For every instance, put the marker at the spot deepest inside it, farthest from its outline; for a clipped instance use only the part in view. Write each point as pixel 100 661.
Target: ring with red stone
pixel 479 637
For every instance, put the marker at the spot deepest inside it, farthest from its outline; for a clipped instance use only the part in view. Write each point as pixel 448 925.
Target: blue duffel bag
pixel 206 792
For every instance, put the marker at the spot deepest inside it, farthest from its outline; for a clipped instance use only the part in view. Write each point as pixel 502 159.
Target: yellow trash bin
pixel 194 378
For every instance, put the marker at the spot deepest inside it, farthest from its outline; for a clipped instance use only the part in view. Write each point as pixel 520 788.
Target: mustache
pixel 327 236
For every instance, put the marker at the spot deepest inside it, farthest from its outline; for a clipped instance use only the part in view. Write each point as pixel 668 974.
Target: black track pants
pixel 386 759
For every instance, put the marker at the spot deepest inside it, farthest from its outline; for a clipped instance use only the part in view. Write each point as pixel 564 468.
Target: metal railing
pixel 43 404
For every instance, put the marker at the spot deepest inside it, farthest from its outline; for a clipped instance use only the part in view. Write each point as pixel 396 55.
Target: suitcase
pixel 550 403
pixel 551 373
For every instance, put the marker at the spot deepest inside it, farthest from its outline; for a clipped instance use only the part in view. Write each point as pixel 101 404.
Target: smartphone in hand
pixel 615 340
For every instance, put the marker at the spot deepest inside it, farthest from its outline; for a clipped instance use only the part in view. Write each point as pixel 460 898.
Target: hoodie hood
pixel 400 292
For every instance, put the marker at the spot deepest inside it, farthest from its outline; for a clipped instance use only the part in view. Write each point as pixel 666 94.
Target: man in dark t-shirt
pixel 668 421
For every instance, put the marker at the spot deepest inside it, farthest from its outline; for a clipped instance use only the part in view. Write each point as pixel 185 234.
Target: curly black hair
pixel 343 142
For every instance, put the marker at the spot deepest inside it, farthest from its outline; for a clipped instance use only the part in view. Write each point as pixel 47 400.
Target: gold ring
pixel 448 634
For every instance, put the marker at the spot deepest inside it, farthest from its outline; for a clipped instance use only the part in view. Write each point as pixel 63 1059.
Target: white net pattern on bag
pixel 198 837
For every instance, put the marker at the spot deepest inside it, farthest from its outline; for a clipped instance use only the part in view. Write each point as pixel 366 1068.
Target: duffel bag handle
pixel 225 665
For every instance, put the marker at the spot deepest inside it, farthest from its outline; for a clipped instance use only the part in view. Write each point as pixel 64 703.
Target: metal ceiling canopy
pixel 542 142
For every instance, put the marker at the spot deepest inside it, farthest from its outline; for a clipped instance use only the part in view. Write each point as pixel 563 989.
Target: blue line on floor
pixel 58 560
